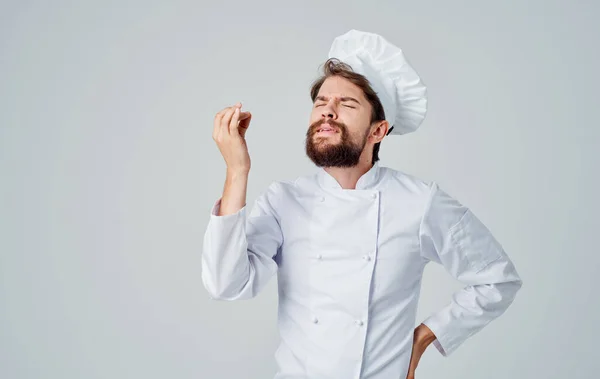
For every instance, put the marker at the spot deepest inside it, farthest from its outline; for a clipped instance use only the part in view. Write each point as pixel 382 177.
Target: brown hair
pixel 334 67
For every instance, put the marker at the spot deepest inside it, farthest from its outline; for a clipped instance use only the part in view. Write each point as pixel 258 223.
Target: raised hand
pixel 229 132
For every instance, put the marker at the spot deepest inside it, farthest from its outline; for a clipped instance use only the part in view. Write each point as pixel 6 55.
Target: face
pixel 339 125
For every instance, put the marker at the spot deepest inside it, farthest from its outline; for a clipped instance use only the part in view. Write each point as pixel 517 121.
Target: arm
pixel 239 250
pixel 454 237
pixel 234 193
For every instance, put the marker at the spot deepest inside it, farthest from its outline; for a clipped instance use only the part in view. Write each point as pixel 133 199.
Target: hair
pixel 334 67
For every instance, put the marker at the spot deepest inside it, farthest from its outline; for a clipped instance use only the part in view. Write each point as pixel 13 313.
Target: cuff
pixel 445 341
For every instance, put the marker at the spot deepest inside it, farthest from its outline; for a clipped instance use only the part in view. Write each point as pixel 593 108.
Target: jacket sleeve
pixel 451 235
pixel 239 250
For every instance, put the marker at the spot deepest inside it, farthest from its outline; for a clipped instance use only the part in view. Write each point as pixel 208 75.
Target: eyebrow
pixel 345 98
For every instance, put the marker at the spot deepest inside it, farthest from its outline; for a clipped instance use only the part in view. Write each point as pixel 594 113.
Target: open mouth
pixel 326 129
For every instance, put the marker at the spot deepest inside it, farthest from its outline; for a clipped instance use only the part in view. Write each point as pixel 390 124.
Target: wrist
pixel 237 172
pixel 424 335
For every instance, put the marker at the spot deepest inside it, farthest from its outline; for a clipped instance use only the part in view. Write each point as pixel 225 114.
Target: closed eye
pixel 347 106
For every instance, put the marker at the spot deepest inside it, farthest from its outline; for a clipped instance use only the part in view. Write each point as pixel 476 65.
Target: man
pixel 349 244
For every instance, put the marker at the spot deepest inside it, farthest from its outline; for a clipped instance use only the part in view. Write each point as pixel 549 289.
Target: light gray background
pixel 109 171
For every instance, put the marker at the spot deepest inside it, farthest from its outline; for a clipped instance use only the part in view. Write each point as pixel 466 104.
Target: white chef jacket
pixel 349 264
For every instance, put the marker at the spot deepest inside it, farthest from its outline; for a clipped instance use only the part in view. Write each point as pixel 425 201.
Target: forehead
pixel 337 86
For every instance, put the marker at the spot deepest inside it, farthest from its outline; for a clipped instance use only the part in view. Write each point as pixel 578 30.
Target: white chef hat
pixel 399 88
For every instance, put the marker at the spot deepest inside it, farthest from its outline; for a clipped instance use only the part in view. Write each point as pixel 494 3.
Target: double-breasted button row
pixel 315 320
pixel 365 257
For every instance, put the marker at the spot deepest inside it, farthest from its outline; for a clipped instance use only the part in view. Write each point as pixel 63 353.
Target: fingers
pixel 223 119
pixel 244 124
pixel 244 115
pixel 217 123
pixel 233 124
pixel 226 120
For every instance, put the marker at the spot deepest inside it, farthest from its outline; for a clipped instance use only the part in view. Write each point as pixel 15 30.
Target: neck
pixel 347 177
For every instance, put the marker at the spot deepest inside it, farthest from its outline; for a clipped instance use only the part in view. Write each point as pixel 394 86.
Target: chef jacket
pixel 349 264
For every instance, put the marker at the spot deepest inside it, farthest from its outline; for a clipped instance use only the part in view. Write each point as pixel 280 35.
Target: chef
pixel 350 241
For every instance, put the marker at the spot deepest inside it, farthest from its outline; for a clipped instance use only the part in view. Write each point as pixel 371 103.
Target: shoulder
pixel 410 184
pixel 297 186
pixel 426 195
pixel 429 188
pixel 280 192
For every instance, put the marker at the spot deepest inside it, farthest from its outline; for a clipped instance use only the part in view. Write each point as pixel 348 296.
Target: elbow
pixel 517 281
pixel 226 290
pixel 518 285
pixel 508 290
pixel 227 294
pixel 214 292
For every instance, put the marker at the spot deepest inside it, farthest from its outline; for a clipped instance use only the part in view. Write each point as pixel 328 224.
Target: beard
pixel 324 153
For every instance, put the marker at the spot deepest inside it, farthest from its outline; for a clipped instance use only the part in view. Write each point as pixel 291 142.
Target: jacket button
pixel 315 320
pixel 321 199
pixel 367 258
pixel 319 256
pixel 374 196
pixel 359 322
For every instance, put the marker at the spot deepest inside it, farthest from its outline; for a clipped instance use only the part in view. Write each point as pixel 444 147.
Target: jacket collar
pixel 366 181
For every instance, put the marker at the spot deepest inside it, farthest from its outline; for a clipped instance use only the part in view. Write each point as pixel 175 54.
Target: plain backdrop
pixel 108 172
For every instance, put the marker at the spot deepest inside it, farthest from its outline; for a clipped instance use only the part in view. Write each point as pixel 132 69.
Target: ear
pixel 379 130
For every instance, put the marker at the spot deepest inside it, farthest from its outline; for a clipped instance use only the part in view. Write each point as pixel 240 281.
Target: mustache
pixel 314 126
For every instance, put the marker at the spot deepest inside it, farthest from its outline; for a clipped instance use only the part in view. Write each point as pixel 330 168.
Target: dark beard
pixel 344 153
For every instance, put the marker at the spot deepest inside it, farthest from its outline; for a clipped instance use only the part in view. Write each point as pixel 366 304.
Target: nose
pixel 329 111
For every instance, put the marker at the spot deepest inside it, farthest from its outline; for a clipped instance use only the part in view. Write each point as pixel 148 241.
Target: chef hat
pixel 398 87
